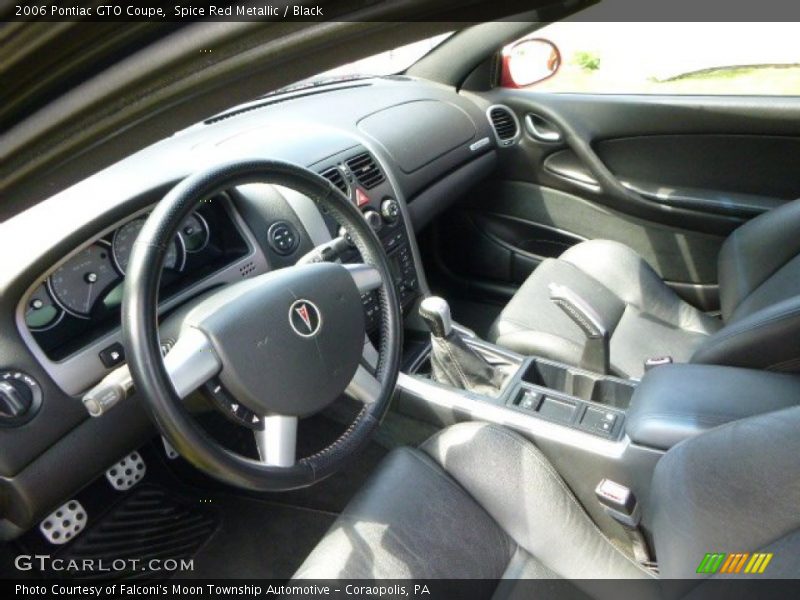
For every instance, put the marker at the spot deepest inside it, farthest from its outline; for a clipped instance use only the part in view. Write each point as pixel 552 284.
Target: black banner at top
pixel 187 11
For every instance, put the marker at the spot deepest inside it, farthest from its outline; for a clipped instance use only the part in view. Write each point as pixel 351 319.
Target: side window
pixel 657 58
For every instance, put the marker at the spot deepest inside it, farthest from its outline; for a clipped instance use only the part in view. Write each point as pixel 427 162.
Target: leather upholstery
pixel 476 501
pixel 759 281
pixel 732 489
pixel 675 402
pixel 644 316
pixel 479 501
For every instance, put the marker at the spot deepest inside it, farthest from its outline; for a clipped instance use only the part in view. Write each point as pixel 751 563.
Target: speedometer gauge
pixel 78 283
pixel 123 246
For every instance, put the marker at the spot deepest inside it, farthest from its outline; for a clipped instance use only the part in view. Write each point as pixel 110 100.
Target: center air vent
pixel 336 177
pixel 505 124
pixel 365 170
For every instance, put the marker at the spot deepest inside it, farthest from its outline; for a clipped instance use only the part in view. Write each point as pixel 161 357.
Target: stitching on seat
pixel 526 447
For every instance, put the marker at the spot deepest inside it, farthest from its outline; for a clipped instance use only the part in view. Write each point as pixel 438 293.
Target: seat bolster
pixel 733 489
pixel 766 339
pixel 631 278
pixel 756 250
pixel 514 482
pixel 408 521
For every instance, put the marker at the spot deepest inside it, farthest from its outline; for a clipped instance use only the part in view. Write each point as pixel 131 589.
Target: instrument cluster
pixel 85 292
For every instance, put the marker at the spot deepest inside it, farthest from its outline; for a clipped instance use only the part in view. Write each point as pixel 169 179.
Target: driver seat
pixel 478 501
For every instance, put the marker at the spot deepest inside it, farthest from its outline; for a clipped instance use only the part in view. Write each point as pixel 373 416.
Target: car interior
pixel 431 324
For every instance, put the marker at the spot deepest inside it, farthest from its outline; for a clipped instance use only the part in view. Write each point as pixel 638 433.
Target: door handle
pixel 541 129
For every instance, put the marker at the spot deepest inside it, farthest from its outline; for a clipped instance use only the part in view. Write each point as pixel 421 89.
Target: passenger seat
pixel 759 282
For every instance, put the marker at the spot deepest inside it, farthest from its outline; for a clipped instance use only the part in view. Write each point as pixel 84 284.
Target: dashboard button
pixel 113 355
pixel 283 238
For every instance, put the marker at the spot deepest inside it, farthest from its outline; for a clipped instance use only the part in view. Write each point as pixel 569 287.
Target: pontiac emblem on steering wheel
pixel 305 318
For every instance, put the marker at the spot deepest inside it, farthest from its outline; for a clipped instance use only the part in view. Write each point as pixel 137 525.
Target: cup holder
pixel 580 384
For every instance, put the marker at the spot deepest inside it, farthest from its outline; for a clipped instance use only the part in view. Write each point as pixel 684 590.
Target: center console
pixel 545 390
pixel 591 426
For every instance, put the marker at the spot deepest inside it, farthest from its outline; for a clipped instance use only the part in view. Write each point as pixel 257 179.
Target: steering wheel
pixel 285 344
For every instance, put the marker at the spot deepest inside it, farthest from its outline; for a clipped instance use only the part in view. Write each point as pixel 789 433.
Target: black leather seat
pixel 759 282
pixel 479 501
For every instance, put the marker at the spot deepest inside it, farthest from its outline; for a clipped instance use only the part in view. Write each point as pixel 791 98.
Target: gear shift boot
pixel 453 361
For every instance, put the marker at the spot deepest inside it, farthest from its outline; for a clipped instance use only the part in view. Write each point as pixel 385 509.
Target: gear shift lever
pixel 453 361
pixel 436 313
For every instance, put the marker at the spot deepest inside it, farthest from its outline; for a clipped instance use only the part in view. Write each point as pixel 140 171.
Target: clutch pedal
pixel 64 523
pixel 127 472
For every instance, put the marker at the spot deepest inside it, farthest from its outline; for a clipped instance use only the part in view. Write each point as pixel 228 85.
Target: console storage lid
pixel 675 402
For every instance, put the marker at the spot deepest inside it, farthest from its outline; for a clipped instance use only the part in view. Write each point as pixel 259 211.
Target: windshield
pixel 390 62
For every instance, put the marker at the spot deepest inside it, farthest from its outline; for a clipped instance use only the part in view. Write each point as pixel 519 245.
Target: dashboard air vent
pixel 504 123
pixel 336 177
pixel 365 170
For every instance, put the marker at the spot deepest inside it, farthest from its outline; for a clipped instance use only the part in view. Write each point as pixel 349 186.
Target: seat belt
pixel 620 504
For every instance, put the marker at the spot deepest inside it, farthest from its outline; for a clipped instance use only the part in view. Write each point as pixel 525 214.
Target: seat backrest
pixel 734 489
pixel 759 281
pixel 759 263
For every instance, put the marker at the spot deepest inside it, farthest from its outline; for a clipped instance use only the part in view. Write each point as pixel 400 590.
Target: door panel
pixel 669 176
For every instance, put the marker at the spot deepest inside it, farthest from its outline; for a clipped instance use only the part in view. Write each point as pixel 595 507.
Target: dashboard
pixel 401 149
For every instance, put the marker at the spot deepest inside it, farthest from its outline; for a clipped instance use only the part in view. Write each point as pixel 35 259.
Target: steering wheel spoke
pixel 191 361
pixel 366 276
pixel 364 387
pixel 277 441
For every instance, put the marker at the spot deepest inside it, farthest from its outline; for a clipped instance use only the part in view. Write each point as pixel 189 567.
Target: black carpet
pixel 258 539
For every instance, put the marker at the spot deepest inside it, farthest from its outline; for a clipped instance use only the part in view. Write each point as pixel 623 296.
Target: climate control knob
pixel 390 210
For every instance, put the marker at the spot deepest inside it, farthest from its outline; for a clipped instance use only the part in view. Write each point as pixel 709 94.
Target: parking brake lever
pixel 596 350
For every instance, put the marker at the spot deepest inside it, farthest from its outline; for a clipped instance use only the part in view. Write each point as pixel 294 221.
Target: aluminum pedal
pixel 64 523
pixel 127 472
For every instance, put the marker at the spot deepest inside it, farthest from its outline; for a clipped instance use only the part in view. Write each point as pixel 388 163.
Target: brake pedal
pixel 64 523
pixel 127 472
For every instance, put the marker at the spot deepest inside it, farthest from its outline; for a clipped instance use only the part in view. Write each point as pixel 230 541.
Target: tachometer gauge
pixel 41 312
pixel 195 233
pixel 123 246
pixel 78 283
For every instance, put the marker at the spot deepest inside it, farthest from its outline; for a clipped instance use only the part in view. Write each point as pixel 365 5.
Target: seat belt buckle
pixel 657 361
pixel 620 504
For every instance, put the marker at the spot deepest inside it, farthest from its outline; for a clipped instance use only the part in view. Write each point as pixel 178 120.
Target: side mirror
pixel 528 62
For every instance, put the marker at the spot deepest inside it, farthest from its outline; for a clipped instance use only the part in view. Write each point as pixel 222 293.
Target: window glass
pixel 674 58
pixel 389 62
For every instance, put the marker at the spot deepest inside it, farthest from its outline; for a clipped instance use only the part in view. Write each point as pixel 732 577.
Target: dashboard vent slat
pixel 336 177
pixel 504 123
pixel 365 170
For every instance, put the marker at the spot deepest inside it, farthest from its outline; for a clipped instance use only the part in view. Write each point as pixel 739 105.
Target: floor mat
pixel 149 523
pixel 258 539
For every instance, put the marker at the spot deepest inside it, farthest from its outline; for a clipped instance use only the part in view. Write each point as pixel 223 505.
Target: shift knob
pixel 436 313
